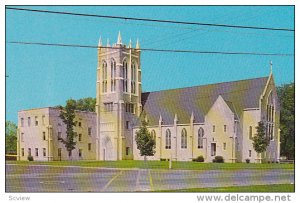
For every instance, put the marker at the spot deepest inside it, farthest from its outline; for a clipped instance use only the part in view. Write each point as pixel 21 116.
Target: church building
pixel 207 120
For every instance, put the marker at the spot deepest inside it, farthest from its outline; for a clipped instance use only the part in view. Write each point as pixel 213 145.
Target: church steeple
pixel 119 38
pixel 137 44
pixel 130 44
pixel 100 42
pixel 118 97
pixel 271 67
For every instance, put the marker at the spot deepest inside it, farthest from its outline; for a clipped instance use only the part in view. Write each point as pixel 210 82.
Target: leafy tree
pixel 144 141
pixel 86 104
pixel 286 94
pixel 260 140
pixel 10 137
pixel 67 114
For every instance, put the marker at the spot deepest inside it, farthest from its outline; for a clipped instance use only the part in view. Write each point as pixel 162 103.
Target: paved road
pixel 34 178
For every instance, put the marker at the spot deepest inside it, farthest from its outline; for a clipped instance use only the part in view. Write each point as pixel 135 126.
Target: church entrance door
pixel 213 149
pixel 107 148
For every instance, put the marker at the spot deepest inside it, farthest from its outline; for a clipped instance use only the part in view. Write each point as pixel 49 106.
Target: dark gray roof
pixel 199 99
pixel 232 108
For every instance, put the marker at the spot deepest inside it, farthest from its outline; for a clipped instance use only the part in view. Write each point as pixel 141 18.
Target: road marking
pixel 137 183
pixel 51 182
pixel 111 180
pixel 151 181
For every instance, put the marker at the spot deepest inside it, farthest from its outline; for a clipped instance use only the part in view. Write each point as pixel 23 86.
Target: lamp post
pixel 170 162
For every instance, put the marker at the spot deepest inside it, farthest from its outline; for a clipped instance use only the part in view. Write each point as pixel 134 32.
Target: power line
pixel 151 20
pixel 151 49
pixel 172 35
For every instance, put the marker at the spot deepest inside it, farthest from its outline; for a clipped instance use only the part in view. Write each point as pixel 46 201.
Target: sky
pixel 42 76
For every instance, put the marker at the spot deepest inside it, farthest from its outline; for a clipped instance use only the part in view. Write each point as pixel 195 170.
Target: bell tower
pixel 118 98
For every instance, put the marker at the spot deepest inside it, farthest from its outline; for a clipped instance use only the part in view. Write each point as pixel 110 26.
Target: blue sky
pixel 41 76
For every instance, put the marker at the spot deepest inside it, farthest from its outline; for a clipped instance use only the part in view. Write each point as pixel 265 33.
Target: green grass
pixel 159 165
pixel 251 188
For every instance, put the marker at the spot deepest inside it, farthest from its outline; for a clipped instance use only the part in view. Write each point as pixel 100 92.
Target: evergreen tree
pixel 260 141
pixel 67 114
pixel 144 141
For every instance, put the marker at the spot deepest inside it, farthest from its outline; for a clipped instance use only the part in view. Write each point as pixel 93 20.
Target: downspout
pixel 192 133
pixel 18 144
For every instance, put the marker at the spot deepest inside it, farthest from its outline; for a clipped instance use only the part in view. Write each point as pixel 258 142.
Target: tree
pixel 286 94
pixel 10 137
pixel 260 141
pixel 67 114
pixel 86 104
pixel 144 141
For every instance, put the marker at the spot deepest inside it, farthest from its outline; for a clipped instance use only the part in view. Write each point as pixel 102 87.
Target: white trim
pixel 265 89
pixel 183 124
pixel 199 123
pixel 167 125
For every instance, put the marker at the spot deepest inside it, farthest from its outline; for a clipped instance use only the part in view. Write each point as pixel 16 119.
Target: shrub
pixel 163 160
pixel 199 159
pixel 218 159
pixel 30 158
pixel 10 157
pixel 247 161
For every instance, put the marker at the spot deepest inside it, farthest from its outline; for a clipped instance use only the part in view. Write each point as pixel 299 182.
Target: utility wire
pixel 151 49
pixel 151 20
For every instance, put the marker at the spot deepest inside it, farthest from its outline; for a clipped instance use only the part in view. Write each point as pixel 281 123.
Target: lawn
pixel 159 165
pixel 251 188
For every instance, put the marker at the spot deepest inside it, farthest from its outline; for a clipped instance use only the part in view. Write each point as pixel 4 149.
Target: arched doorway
pixel 107 148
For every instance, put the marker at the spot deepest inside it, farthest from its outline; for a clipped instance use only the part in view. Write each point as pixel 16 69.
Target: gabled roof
pixel 232 108
pixel 199 99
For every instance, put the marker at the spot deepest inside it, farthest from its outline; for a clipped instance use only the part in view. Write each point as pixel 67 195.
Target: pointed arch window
pixel 237 146
pixel 250 133
pixel 270 108
pixel 183 139
pixel 113 72
pixel 270 114
pixel 104 76
pixel 133 77
pixel 200 138
pixel 168 139
pixel 125 76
